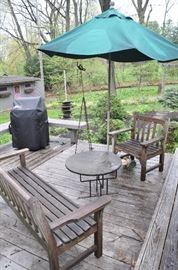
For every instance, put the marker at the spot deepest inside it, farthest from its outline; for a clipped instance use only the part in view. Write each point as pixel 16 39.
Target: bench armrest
pixel 15 153
pixel 21 154
pixel 116 132
pixel 81 212
pixel 147 143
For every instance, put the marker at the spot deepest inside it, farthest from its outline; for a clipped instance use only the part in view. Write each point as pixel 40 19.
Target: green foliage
pixel 171 31
pixel 172 139
pixel 12 57
pixel 57 131
pixel 170 98
pixel 32 66
pixel 117 110
pixel 154 26
pixel 117 116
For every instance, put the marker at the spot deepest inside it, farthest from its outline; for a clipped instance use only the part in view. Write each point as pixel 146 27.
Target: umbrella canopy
pixel 113 36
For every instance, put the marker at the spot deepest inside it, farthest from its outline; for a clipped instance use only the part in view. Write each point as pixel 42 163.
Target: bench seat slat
pixel 49 189
pixel 62 234
pixel 66 204
pixel 53 211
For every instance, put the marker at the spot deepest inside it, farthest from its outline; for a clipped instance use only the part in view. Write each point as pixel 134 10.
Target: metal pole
pixel 65 84
pixel 39 52
pixel 163 78
pixel 109 100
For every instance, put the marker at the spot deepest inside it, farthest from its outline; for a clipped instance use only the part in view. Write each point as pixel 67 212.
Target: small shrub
pixel 116 108
pixel 172 139
pixel 117 117
pixel 170 98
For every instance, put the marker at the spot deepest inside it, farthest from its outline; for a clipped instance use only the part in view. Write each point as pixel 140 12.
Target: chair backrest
pixel 146 127
pixel 21 202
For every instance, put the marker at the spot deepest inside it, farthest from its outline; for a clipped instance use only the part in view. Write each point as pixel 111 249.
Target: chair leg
pixel 143 170
pixel 132 157
pixel 98 236
pixel 161 162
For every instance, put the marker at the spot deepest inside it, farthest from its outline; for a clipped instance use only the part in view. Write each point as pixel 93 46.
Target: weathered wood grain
pixel 124 224
pixel 56 222
pixel 151 252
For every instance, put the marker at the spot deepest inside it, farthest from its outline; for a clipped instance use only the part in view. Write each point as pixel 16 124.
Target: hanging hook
pixel 81 67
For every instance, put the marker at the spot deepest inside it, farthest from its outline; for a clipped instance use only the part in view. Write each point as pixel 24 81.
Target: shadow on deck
pixel 126 219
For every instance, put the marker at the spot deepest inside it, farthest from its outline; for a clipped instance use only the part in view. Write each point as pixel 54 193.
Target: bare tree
pixel 168 5
pixel 19 33
pixel 148 16
pixel 81 10
pixel 141 7
pixel 26 20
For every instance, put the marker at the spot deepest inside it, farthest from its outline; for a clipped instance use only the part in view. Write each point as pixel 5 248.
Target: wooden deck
pixel 126 219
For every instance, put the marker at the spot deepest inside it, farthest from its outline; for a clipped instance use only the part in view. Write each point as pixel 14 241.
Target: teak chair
pixel 55 221
pixel 148 137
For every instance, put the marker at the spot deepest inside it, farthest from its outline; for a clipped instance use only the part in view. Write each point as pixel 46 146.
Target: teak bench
pixel 71 125
pixel 55 221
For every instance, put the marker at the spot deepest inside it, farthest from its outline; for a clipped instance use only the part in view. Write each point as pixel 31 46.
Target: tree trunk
pixel 140 9
pixel 22 40
pixel 67 15
pixel 76 13
pixel 168 6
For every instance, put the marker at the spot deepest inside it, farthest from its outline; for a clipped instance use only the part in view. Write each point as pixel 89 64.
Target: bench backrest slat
pixel 20 202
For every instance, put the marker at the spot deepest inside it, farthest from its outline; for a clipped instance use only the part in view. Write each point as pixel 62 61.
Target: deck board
pixel 126 219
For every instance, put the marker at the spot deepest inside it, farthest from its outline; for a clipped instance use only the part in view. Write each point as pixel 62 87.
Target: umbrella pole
pixel 109 97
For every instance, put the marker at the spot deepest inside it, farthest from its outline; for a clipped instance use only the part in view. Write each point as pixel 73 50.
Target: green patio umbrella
pixel 115 37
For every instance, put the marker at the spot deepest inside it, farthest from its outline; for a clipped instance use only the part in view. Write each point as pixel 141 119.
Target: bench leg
pixel 98 236
pixel 53 261
pixel 161 162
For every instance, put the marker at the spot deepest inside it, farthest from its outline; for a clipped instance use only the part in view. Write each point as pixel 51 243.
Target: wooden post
pixel 98 236
pixel 22 160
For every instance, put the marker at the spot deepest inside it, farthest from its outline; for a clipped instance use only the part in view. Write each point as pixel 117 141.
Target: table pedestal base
pixel 101 181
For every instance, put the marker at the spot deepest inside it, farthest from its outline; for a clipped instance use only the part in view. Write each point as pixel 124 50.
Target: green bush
pixel 170 98
pixel 117 117
pixel 172 139
pixel 116 108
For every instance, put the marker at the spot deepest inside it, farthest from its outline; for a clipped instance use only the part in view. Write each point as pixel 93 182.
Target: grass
pixel 133 99
pixel 4 117
pixel 5 138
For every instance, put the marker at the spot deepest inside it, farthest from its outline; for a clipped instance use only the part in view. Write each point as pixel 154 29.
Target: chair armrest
pixel 147 143
pixel 116 132
pixel 15 153
pixel 81 212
